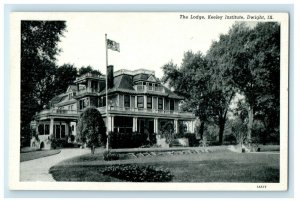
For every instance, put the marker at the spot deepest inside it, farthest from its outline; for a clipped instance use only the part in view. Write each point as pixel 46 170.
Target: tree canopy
pixel 39 46
pixel 88 69
pixel 248 60
pixel 41 78
pixel 245 62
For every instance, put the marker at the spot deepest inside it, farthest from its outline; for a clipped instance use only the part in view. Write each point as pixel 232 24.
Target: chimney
pixel 110 76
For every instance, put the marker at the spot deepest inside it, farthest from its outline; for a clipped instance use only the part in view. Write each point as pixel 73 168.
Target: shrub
pixel 193 141
pixel 91 128
pixel 135 173
pixel 229 139
pixel 152 139
pixel 108 156
pixel 127 140
pixel 167 131
pixel 59 143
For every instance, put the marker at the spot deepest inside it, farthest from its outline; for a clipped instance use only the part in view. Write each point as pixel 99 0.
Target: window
pixel 47 129
pixel 126 101
pixel 149 102
pixel 94 86
pixel 62 131
pixel 41 129
pixel 160 103
pixel 140 101
pixel 104 101
pixel 172 105
pixel 57 131
pixel 70 96
pixel 81 104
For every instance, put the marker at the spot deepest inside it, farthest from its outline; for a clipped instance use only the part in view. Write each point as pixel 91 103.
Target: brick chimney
pixel 110 76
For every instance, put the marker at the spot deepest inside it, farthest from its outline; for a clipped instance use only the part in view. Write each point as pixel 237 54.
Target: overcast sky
pixel 147 40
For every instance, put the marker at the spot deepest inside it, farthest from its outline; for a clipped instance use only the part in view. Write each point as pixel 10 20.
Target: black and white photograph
pixel 149 101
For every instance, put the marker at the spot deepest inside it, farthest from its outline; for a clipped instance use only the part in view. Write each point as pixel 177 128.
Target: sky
pixel 147 40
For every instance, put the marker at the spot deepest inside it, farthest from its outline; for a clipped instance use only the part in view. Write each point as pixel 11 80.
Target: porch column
pixel 89 86
pixel 134 127
pixel 155 125
pixel 192 126
pixel 110 123
pixel 51 126
pixel 37 127
pixel 145 101
pixel 176 125
pixel 113 123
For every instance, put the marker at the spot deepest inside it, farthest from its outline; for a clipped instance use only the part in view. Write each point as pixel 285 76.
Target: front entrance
pixel 145 125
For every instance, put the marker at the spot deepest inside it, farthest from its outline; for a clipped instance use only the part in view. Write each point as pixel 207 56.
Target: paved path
pixel 38 169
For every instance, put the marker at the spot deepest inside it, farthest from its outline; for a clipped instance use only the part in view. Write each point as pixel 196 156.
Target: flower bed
pixel 135 173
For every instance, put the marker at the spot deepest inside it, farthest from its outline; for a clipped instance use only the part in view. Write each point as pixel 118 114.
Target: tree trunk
pixel 250 123
pixel 221 130
pixel 201 130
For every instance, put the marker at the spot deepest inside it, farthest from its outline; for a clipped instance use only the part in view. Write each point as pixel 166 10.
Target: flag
pixel 112 45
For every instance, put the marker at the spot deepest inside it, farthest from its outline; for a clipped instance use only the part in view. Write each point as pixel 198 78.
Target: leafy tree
pixel 91 128
pixel 39 40
pixel 249 61
pixel 88 69
pixel 65 75
pixel 204 94
pixel 190 81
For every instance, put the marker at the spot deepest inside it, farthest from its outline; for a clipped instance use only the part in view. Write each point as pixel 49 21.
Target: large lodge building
pixel 137 101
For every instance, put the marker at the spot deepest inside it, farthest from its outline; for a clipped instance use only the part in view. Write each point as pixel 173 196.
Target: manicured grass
pixel 37 154
pixel 219 166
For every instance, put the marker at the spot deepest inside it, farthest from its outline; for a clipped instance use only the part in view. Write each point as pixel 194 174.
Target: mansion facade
pixel 137 101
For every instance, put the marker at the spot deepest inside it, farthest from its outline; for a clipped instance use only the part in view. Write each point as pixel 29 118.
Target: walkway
pixel 38 169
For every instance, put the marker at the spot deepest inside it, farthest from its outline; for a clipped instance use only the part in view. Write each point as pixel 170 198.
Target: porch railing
pixel 58 111
pixel 143 110
pixel 143 88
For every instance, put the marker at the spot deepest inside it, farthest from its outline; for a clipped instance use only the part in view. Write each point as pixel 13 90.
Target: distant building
pixel 137 101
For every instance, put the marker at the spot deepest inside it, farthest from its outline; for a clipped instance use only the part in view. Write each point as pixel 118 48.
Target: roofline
pixel 133 72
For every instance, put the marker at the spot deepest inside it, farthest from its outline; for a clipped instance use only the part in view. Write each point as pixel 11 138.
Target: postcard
pixel 177 101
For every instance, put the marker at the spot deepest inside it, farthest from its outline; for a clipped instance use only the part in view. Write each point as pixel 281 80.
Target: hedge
pixel 130 140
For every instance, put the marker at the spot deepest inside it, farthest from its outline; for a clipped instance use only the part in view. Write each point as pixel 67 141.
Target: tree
pixel 249 61
pixel 39 46
pixel 204 93
pixel 65 75
pixel 88 69
pixel 190 81
pixel 91 128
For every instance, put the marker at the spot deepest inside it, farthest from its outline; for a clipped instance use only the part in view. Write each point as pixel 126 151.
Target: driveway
pixel 38 169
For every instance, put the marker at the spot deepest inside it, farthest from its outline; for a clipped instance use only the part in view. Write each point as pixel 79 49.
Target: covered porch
pixel 125 124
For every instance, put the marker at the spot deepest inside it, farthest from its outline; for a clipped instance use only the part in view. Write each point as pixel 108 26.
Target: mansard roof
pixel 124 84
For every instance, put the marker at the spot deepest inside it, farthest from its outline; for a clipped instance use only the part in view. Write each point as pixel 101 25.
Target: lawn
pixel 218 166
pixel 30 155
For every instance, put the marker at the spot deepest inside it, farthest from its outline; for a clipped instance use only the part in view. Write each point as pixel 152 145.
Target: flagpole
pixel 106 100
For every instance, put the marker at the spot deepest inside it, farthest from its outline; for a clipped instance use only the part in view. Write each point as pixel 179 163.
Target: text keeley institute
pixel 220 17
